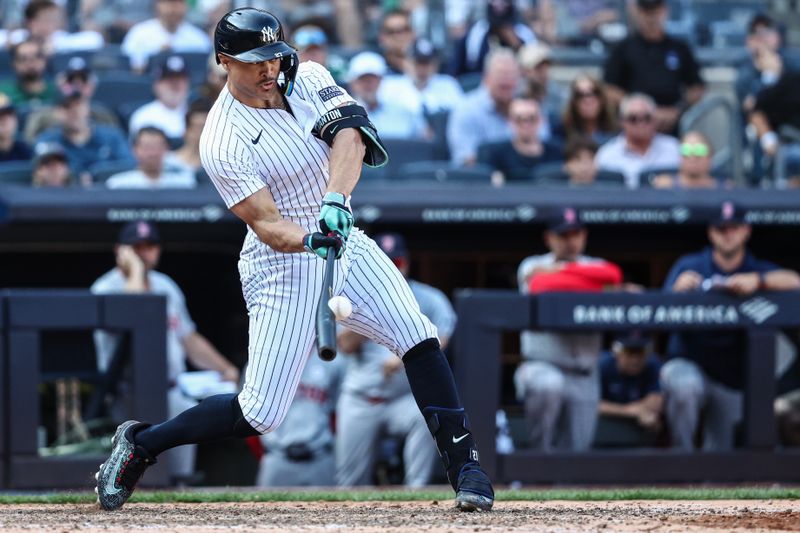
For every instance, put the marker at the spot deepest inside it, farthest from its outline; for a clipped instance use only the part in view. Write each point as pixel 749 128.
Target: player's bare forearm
pixel 260 213
pixel 203 355
pixel 347 154
pixel 782 280
pixel 616 409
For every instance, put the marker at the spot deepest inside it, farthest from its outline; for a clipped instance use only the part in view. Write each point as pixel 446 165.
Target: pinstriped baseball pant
pixel 282 301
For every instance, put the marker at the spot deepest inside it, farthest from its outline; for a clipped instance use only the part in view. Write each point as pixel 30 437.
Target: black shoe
pixel 118 476
pixel 474 490
pixel 459 454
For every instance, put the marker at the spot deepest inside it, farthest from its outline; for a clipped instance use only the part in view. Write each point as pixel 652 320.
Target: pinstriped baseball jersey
pixel 243 150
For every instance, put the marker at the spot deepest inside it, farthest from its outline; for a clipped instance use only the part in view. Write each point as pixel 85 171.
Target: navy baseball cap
pixel 172 66
pixel 633 339
pixel 729 214
pixel 44 152
pixel 138 232
pixel 650 4
pixel 563 220
pixel 77 66
pixel 392 244
pixel 424 51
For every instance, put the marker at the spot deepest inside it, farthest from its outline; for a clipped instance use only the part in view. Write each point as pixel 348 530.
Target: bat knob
pixel 327 354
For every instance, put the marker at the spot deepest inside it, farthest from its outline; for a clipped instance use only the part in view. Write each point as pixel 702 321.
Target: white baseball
pixel 341 307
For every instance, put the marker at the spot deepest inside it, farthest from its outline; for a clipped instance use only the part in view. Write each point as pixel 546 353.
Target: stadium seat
pixel 196 62
pixel 403 151
pixel 105 169
pixel 553 175
pixel 470 80
pixel 438 123
pixel 647 175
pixel 5 62
pixel 126 109
pixel 16 173
pixel 443 171
pixel 111 58
pixel 116 88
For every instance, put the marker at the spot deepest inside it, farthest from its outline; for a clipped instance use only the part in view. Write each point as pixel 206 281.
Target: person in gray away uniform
pixel 300 451
pixel 376 398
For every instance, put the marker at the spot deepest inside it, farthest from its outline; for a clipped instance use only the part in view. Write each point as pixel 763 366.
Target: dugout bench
pixel 26 318
pixel 484 315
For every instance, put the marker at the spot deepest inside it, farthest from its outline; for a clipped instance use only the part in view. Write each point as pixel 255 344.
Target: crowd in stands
pixel 473 81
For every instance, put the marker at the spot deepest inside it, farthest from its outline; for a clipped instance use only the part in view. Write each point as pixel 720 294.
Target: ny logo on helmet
pixel 268 35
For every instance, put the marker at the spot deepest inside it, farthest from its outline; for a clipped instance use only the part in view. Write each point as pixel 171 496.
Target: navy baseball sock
pixel 430 376
pixel 215 418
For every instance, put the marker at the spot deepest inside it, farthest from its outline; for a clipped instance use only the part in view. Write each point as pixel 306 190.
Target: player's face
pixel 566 246
pixel 149 253
pixel 630 362
pixel 729 239
pixel 253 83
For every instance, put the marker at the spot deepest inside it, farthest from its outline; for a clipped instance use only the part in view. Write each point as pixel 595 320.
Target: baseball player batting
pixel 284 146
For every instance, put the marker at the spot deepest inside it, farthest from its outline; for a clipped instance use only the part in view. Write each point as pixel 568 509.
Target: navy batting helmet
pixel 253 35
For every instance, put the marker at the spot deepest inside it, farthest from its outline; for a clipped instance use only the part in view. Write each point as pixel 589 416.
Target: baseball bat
pixel 326 324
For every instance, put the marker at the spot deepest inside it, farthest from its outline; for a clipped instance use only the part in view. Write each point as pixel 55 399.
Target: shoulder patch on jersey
pixel 330 92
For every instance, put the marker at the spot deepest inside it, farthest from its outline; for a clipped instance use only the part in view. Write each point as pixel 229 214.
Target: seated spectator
pixel 216 78
pixel 579 166
pixel 558 379
pixel 30 87
pixel 535 62
pixel 423 87
pixel 187 157
pixel 44 22
pixel 482 116
pixel 150 146
pixel 168 31
pixel 766 62
pixel 514 160
pixel 706 369
pixel 500 28
pixel 589 111
pixel 574 22
pixel 651 62
pixel 630 394
pixel 11 148
pixel 392 119
pixel 778 106
pixel 85 142
pixel 639 146
pixel 168 111
pixel 77 78
pixel 695 168
pixel 50 167
pixel 395 38
pixel 311 44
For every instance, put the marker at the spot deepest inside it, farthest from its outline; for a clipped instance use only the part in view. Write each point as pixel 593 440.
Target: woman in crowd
pixel 589 112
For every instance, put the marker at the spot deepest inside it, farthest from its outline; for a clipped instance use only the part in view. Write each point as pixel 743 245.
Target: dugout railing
pixel 484 316
pixel 27 317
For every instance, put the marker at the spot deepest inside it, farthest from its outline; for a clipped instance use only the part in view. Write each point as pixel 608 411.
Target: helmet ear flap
pixel 289 66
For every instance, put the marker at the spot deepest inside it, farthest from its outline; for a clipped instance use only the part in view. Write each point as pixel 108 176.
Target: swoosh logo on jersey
pixel 255 141
pixel 459 439
pixel 333 129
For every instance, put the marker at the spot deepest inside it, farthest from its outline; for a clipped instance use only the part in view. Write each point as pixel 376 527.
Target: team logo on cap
pixel 268 35
pixel 143 230
pixel 570 217
pixel 388 243
pixel 727 210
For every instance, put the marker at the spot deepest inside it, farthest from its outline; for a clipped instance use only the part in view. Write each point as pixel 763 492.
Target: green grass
pixel 248 495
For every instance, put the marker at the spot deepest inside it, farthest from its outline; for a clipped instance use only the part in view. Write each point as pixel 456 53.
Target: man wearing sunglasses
pixel 639 147
pixel 706 370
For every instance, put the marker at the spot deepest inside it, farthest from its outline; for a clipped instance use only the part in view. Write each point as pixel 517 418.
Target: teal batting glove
pixel 335 215
pixel 318 243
